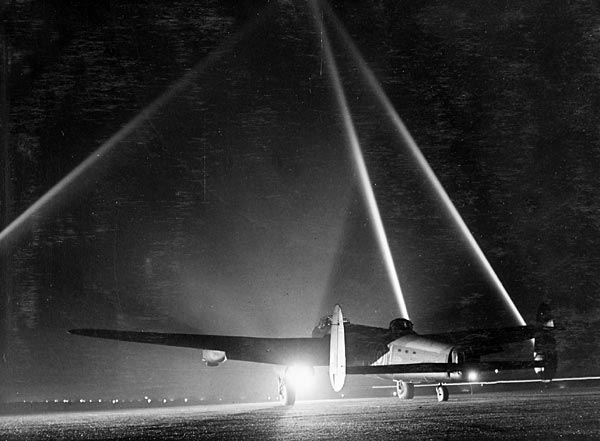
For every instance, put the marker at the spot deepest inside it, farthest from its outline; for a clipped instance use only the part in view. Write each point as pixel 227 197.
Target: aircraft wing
pixel 281 351
pixel 487 340
pixel 423 368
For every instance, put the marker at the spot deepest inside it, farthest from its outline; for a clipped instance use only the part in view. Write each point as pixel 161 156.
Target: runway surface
pixel 567 414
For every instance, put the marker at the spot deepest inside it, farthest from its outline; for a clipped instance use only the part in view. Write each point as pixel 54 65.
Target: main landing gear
pixel 287 392
pixel 442 392
pixel 405 390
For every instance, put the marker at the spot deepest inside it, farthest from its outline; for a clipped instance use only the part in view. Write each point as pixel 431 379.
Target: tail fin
pixel 337 350
pixel 545 344
pixel 544 316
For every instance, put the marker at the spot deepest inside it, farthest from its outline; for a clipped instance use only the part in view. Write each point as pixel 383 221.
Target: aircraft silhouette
pixel 397 352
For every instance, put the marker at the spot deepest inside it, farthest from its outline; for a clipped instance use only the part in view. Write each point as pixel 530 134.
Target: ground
pixel 531 415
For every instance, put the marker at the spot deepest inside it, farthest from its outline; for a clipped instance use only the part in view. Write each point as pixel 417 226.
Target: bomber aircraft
pixel 397 353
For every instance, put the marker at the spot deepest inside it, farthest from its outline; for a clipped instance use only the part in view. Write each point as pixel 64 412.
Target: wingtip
pixel 85 332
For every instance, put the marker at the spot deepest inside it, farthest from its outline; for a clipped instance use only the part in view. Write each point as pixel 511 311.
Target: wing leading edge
pixel 482 339
pixel 280 351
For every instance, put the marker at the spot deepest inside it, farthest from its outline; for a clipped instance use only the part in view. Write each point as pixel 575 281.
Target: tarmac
pixel 568 414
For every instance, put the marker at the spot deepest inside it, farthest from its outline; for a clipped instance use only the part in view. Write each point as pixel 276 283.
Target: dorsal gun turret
pixel 401 326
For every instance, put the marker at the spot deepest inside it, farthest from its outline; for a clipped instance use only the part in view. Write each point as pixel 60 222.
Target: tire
pixel 442 393
pixel 404 390
pixel 287 394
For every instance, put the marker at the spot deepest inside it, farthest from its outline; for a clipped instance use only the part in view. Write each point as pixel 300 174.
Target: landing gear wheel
pixel 442 393
pixel 287 393
pixel 404 390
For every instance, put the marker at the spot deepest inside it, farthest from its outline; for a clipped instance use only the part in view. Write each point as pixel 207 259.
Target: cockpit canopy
pixel 325 322
pixel 401 326
pixel 324 327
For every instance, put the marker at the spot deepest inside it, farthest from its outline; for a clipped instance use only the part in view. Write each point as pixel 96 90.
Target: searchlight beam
pixel 422 162
pixel 145 115
pixel 359 161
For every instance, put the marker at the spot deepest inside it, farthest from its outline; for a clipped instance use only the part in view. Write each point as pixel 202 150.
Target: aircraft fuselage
pixel 399 344
pixel 413 348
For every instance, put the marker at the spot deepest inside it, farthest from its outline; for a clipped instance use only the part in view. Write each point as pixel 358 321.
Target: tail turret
pixel 545 344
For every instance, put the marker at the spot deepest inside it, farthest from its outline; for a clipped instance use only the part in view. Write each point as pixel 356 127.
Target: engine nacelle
pixel 213 358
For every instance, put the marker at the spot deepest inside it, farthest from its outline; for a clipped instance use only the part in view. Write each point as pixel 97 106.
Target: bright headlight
pixel 472 376
pixel 302 377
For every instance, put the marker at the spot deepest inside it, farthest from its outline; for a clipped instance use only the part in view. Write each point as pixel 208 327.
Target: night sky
pixel 225 199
